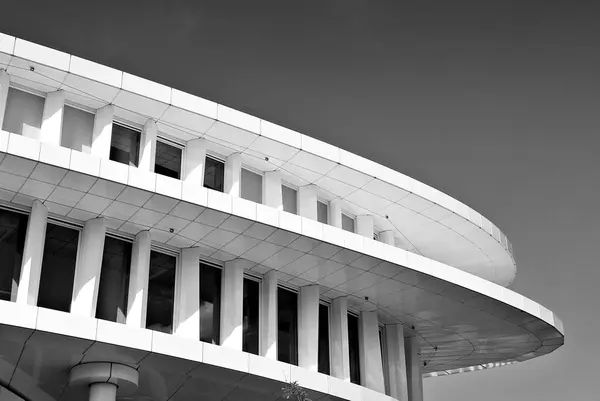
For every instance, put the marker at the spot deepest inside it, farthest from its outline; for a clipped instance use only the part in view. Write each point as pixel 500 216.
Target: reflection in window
pixel 347 223
pixel 114 280
pixel 250 316
pixel 78 126
pixel 58 268
pixel 214 174
pixel 168 160
pixel 13 227
pixel 161 292
pixel 322 212
pixel 125 145
pixel 210 303
pixel 382 346
pixel 323 339
pixel 353 348
pixel 23 114
pixel 290 199
pixel 287 336
pixel 251 186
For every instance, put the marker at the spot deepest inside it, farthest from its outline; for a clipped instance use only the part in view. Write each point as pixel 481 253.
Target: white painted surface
pixel 414 369
pixel 338 326
pixel 364 225
pixel 371 367
pixel 232 298
pixel 33 252
pixel 52 118
pixel 307 201
pixel 268 316
pixel 187 293
pixel 102 132
pixel 308 327
pixel 4 84
pixel 396 360
pixel 148 146
pixel 233 175
pixel 137 299
pixel 272 191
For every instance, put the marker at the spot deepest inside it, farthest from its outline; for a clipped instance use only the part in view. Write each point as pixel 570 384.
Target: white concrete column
pixel 148 146
pixel 307 201
pixel 233 175
pixel 340 353
pixel 413 367
pixel 272 192
pixel 195 159
pixel 102 132
pixel 33 252
pixel 371 366
pixel 4 85
pixel 396 360
pixel 187 295
pixel 268 316
pixel 364 225
pixel 88 268
pixel 387 237
pixel 308 327
pixel 103 392
pixel 137 300
pixel 335 213
pixel 232 301
pixel 52 118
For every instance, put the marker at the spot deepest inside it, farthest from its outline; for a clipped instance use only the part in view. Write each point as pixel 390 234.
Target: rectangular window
pixel 78 126
pixel 58 267
pixel 290 199
pixel 114 280
pixel 287 334
pixel 13 227
pixel 168 160
pixel 347 223
pixel 250 316
pixel 125 145
pixel 251 186
pixel 322 212
pixel 323 339
pixel 23 115
pixel 214 174
pixel 161 292
pixel 210 303
pixel 353 349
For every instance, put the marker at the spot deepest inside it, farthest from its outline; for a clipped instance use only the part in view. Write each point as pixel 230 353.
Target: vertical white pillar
pixel 137 300
pixel 187 295
pixel 335 213
pixel 4 85
pixel 387 237
pixel 396 360
pixel 88 268
pixel 308 328
pixel 232 298
pixel 340 353
pixel 307 201
pixel 103 392
pixel 52 118
pixel 195 158
pixel 371 366
pixel 102 132
pixel 233 175
pixel 33 252
pixel 148 146
pixel 272 192
pixel 413 367
pixel 268 316
pixel 364 225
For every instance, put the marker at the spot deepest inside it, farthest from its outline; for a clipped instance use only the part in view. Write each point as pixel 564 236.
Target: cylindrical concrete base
pixel 103 392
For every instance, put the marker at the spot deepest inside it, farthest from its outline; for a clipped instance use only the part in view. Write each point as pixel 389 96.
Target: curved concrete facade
pixel 421 275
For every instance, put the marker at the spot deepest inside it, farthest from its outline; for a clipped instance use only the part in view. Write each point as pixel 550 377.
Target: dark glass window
pixel 210 303
pixel 290 199
pixel 214 174
pixel 287 336
pixel 161 292
pixel 251 186
pixel 347 223
pixel 23 115
pixel 353 348
pixel 58 268
pixel 168 160
pixel 125 145
pixel 383 348
pixel 324 339
pixel 13 227
pixel 78 126
pixel 250 316
pixel 322 212
pixel 114 280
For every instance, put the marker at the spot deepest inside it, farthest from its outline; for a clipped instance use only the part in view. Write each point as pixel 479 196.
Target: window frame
pixel 217 157
pixel 254 170
pixel 129 125
pixel 162 138
pixel 176 290
pixel 292 187
pixel 326 203
pixel 351 216
pixel 328 305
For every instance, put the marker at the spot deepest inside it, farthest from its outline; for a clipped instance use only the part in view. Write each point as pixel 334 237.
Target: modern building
pixel 155 245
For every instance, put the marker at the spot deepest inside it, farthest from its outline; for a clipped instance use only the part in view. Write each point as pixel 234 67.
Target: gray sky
pixel 495 103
